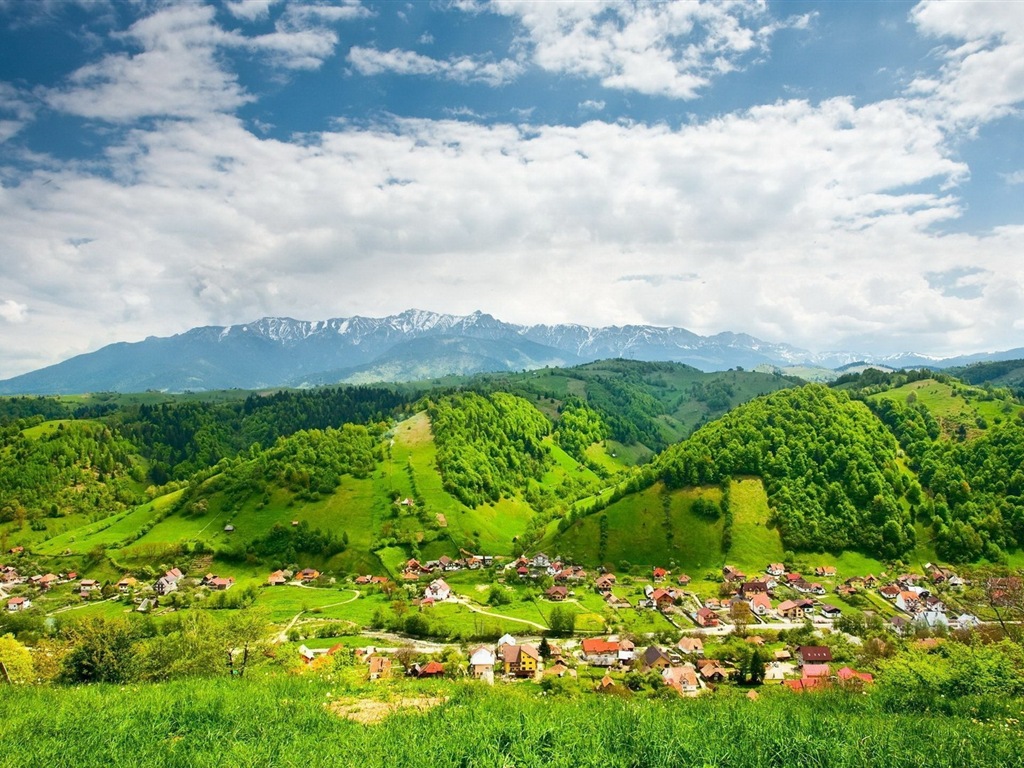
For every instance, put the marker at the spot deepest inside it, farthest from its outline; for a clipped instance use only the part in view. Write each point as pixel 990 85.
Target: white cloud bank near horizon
pixel 811 223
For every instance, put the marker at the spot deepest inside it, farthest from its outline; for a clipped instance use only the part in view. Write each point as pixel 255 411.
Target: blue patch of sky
pixel 990 199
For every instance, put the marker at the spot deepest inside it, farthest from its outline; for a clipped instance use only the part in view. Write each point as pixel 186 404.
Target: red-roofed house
pixel 431 669
pixel 848 675
pixel 600 653
pixel 707 618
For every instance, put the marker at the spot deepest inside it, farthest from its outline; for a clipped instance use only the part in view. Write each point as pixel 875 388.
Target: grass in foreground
pixel 301 721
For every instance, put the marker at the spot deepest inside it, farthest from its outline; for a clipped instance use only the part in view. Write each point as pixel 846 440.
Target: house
pixel 683 580
pixel 437 590
pixel 889 591
pixel 830 612
pixel 775 569
pixel 88 585
pixel 683 679
pixel 793 578
pixel 380 667
pixel 430 669
pixel 782 655
pixel 732 573
pixel 48 580
pixel 559 669
pixel 659 574
pixel 127 584
pixel 600 653
pixel 557 594
pixel 604 583
pixel 899 624
pixel 18 604
pixel 307 575
pixel 362 580
pixel 816 670
pixel 760 605
pixel 791 609
pixel 627 652
pixel 691 646
pixel 221 583
pixel 706 618
pixel 481 664
pixel 825 570
pixel 540 560
pixel 654 658
pixel 756 587
pixel 813 654
pixel 908 601
pixel 967 621
pixel 165 585
pixel 848 675
pixel 663 598
pixel 713 672
pixel 932 619
pixel 521 660
pixel 606 684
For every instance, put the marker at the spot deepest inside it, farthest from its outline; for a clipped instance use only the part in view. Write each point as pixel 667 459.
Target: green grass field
pixel 754 543
pixel 954 407
pixel 294 721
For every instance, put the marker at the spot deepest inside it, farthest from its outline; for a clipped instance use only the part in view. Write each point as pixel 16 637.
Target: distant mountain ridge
pixel 412 345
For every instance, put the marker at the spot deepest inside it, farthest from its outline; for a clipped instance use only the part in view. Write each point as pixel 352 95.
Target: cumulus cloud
pixel 463 69
pixel 672 49
pixel 178 69
pixel 983 75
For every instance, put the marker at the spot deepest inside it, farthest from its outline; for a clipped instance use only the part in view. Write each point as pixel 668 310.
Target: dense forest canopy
pixel 488 446
pixel 830 468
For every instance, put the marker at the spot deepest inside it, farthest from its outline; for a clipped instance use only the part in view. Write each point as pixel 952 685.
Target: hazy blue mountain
pixel 280 351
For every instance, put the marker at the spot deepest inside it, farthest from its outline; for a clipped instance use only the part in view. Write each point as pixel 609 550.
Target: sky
pixel 834 175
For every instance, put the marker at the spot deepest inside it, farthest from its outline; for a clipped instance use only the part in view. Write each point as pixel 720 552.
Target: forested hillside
pixel 830 468
pixel 880 463
pixel 66 468
pixel 488 446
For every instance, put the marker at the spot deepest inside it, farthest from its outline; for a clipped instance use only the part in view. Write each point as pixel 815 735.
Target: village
pixel 775 627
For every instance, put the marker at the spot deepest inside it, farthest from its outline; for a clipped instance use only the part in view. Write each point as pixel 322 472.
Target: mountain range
pixel 412 345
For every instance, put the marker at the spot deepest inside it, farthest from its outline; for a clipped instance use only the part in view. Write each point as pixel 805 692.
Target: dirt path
pixel 282 636
pixel 481 611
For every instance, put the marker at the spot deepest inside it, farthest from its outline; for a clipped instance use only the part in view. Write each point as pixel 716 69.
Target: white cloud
pixel 983 76
pixel 13 312
pixel 179 70
pixel 176 73
pixel 17 109
pixel 1014 178
pixel 250 10
pixel 672 48
pixel 795 216
pixel 593 105
pixel 464 69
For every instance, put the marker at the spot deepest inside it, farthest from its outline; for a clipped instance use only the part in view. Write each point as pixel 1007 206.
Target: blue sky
pixel 839 176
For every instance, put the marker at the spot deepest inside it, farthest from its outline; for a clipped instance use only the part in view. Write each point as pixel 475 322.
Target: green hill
pixel 529 461
pixel 829 465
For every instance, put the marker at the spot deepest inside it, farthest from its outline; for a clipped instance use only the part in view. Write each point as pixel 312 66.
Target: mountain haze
pixel 413 345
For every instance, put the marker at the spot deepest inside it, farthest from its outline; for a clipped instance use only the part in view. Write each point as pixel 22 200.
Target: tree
pixel 562 621
pixel 102 651
pixel 15 661
pixel 544 649
pixel 755 667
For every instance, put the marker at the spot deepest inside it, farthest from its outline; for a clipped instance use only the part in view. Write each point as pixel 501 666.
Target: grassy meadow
pixel 288 720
